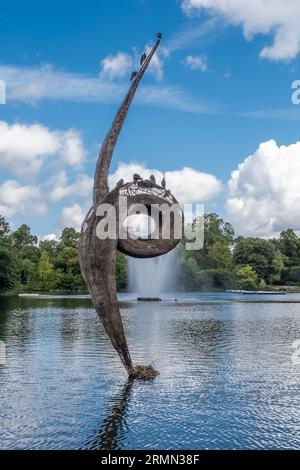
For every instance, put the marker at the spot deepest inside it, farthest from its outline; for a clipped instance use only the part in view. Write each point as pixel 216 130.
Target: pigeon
pixel 163 183
pixel 120 183
pixel 136 178
pixel 133 75
pixel 152 179
pixel 143 58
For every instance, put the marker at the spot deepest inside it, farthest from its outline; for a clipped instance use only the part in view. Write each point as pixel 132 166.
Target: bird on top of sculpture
pixel 98 256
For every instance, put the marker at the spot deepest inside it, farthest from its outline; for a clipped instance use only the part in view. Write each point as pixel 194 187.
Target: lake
pixel 227 375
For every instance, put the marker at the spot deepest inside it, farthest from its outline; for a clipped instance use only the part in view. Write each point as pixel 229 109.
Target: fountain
pixel 150 278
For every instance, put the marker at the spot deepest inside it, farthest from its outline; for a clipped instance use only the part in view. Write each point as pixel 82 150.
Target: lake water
pixel 227 375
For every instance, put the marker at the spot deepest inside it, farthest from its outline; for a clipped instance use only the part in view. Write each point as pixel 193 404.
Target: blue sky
pixel 219 92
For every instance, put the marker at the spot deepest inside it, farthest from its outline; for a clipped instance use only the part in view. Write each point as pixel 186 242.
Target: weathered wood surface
pixel 97 257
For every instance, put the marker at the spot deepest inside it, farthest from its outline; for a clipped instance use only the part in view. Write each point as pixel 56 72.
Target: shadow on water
pixel 112 430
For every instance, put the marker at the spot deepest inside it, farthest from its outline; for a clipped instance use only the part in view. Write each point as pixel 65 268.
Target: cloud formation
pixel 17 198
pixel 61 189
pixel 72 216
pixel 196 62
pixel 187 185
pixel 264 191
pixel 25 148
pixel 33 84
pixel 119 65
pixel 277 17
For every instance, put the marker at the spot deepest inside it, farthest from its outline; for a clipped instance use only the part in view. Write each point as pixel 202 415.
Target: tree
pixel 293 275
pixel 8 271
pixel 217 230
pixel 29 274
pixel 121 271
pixel 219 255
pixel 246 277
pixel 261 254
pixel 69 237
pixel 47 278
pixel 289 245
pixel 5 230
pixel 67 264
pixel 22 237
pixel 51 246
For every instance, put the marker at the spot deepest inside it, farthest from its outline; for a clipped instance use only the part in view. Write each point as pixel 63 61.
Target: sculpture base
pixel 148 299
pixel 140 372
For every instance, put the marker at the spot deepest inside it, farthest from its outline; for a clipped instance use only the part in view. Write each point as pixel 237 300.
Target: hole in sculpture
pixel 139 225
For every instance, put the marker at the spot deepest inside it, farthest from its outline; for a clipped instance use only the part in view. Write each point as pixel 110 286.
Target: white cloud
pixel 20 199
pixel 25 148
pixel 71 149
pixel 32 84
pixel 82 187
pixel 72 216
pixel 187 185
pixel 156 66
pixel 196 62
pixel 183 39
pixel 277 17
pixel 119 65
pixel 174 98
pixel 50 237
pixel 265 192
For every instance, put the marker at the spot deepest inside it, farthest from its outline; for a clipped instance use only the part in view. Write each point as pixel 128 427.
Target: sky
pixel 214 112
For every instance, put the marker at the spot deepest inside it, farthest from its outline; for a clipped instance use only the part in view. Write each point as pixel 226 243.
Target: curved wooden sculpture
pixel 97 257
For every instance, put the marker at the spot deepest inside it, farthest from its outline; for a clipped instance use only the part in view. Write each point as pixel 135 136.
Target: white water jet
pixel 153 276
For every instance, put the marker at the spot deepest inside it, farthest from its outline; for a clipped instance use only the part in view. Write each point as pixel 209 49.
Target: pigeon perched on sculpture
pixel 133 75
pixel 152 179
pixel 120 183
pixel 137 178
pixel 143 58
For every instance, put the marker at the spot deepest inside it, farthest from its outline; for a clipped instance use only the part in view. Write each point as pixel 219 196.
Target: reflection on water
pixel 111 432
pixel 227 379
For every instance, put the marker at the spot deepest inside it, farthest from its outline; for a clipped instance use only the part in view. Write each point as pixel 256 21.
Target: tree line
pixel 229 262
pixel 27 264
pixel 224 262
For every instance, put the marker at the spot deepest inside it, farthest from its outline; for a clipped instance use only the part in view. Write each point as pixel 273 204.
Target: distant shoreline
pixel 268 289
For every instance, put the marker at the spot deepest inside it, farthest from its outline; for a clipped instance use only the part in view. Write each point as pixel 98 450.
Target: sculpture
pixel 97 257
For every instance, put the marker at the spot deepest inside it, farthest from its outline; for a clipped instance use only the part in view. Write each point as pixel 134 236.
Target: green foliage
pixel 121 271
pixel 289 246
pixel 262 255
pixel 8 269
pixel 26 264
pixel 47 277
pixel 22 237
pixel 69 237
pixel 292 276
pixel 219 255
pixel 5 230
pixel 222 263
pixel 51 246
pixel 246 278
pixel 67 264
